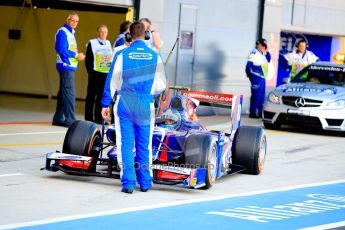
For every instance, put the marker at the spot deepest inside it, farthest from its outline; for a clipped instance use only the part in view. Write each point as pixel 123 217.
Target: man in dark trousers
pixel 97 62
pixel 67 58
pixel 138 75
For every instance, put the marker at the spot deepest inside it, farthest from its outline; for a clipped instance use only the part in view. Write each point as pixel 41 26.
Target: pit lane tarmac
pixel 294 160
pixel 316 206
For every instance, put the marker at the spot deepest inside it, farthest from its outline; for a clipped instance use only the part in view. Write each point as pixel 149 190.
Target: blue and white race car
pixel 183 151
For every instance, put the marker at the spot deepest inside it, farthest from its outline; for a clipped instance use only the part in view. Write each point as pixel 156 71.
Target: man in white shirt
pixel 300 58
pixel 97 62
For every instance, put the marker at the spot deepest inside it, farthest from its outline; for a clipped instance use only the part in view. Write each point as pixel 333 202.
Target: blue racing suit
pixel 256 70
pixel 107 97
pixel 137 75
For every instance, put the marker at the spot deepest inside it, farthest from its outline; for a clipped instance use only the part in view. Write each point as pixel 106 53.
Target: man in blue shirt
pixel 137 76
pixel 124 28
pixel 67 58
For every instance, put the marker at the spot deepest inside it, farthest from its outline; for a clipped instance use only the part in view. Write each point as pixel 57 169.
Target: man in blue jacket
pixel 257 70
pixel 67 58
pixel 138 74
pixel 124 28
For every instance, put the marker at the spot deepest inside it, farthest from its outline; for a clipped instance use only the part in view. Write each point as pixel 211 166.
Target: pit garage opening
pixel 27 54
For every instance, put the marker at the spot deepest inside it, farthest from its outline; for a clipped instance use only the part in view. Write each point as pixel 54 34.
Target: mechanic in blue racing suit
pixel 138 75
pixel 257 70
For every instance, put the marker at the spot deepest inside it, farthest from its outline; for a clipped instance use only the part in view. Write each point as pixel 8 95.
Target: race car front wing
pixel 163 174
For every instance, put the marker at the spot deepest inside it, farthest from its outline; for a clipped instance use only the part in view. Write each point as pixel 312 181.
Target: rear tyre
pixel 201 152
pixel 249 149
pixel 83 138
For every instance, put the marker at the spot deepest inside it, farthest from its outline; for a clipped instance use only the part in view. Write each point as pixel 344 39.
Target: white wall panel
pixel 314 16
pixel 225 35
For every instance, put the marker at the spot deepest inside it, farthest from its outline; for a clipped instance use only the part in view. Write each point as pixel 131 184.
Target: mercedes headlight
pixel 338 104
pixel 272 97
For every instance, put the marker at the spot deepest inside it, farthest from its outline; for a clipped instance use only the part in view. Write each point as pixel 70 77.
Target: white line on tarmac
pixel 32 133
pixel 161 205
pixel 326 226
pixel 11 174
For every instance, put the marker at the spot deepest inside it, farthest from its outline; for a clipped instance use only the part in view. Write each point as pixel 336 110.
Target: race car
pixel 183 151
pixel 314 97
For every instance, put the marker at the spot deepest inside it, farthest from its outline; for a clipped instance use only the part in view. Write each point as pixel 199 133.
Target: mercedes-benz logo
pixel 300 102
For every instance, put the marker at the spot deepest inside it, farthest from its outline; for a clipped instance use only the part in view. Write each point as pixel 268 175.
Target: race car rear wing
pixel 230 101
pixel 211 99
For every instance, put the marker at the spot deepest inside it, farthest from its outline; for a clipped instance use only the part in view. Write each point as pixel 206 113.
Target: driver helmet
pixel 171 119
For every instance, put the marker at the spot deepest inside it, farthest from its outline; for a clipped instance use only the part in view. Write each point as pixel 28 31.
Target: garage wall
pixel 28 65
pixel 314 16
pixel 225 35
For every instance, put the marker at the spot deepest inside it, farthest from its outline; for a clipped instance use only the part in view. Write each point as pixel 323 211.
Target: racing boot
pixel 127 190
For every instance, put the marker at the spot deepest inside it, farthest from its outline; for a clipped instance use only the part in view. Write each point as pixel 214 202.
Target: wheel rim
pixel 95 141
pixel 213 164
pixel 262 152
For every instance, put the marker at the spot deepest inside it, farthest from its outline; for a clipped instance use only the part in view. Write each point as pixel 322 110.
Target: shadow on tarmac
pixel 115 183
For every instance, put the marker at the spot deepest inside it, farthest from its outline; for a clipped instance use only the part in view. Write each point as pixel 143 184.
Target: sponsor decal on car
pixel 210 97
pixel 299 112
pixel 327 68
pixel 309 90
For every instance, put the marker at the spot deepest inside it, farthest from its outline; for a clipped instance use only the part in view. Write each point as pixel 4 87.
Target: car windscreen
pixel 330 75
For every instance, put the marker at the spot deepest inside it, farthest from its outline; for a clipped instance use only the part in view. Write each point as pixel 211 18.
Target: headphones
pixel 128 37
pixel 299 42
pixel 147 35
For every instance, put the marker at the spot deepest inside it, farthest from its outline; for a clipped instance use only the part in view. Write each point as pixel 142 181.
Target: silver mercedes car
pixel 315 97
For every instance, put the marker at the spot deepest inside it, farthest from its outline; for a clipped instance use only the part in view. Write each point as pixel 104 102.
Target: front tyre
pixel 249 149
pixel 83 138
pixel 201 151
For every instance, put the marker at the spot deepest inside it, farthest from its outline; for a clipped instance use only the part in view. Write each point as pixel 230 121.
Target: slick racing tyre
pixel 249 149
pixel 83 138
pixel 201 152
